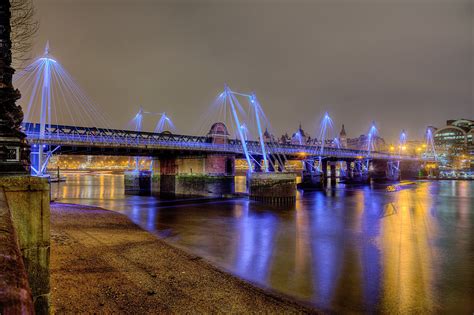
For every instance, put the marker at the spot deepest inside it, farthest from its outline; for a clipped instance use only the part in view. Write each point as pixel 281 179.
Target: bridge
pixel 100 141
pixel 52 96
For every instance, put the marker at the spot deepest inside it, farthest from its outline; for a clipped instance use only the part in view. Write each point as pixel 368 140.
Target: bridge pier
pixel 379 171
pixel 410 169
pixel 272 188
pixel 209 175
pixel 257 167
pixel 168 170
pixel 274 164
pixel 324 171
pixel 311 178
pixel 348 172
pixel 356 172
pixel 137 182
pixel 155 176
pixel 332 166
pixel 393 170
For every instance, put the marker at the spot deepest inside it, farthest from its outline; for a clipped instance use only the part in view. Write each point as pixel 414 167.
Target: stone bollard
pixel 273 188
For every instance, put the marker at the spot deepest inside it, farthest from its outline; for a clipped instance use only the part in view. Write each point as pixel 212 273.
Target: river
pixel 343 249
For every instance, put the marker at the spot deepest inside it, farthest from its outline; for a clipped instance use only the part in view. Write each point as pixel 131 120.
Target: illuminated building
pixel 267 137
pixel 343 137
pixel 299 137
pixel 455 143
pixel 362 142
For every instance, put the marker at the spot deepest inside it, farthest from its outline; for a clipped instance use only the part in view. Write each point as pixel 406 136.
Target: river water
pixel 343 249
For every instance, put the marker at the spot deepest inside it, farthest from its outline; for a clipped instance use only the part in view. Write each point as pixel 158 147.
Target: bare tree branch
pixel 24 27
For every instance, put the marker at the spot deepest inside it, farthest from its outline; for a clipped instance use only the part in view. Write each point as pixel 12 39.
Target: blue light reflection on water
pixel 343 249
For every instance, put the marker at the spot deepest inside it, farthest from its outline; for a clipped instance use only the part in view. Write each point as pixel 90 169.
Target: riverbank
pixel 103 263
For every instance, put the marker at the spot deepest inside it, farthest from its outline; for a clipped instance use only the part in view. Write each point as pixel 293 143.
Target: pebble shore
pixel 103 263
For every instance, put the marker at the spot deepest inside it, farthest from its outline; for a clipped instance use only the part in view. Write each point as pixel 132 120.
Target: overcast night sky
pixel 405 64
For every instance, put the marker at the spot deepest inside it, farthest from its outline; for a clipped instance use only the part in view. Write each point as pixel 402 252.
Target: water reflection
pixel 344 249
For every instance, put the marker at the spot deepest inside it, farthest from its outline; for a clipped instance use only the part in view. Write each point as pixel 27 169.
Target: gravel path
pixel 103 263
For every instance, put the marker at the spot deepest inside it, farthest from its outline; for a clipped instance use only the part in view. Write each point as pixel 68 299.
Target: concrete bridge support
pixel 348 171
pixel 324 171
pixel 155 176
pixel 392 170
pixel 311 178
pixel 257 167
pixel 272 188
pixel 332 166
pixel 137 182
pixel 356 172
pixel 208 175
pixel 349 174
pixel 168 170
pixel 379 170
pixel 275 164
pixel 410 169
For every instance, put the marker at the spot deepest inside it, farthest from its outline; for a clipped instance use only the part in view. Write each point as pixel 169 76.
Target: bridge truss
pixel 149 143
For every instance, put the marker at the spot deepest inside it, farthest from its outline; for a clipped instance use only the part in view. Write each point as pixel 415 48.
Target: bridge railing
pixel 62 134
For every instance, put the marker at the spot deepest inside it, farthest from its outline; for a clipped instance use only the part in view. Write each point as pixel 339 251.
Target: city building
pixel 299 137
pixel 343 138
pixel 455 143
pixel 360 143
pixel 267 137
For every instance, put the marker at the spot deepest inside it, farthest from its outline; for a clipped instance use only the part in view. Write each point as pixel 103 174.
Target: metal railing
pixel 97 137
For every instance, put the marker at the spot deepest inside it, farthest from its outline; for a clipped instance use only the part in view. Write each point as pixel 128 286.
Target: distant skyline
pixel 403 64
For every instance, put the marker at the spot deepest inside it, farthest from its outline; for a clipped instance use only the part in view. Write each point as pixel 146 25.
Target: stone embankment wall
pixel 28 200
pixel 15 293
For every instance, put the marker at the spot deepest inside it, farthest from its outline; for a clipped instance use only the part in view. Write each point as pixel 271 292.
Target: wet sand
pixel 101 262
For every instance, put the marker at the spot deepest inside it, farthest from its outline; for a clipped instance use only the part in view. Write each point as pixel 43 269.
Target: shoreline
pixel 103 262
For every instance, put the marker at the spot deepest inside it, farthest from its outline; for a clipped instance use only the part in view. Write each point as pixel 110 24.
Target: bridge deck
pixel 148 143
